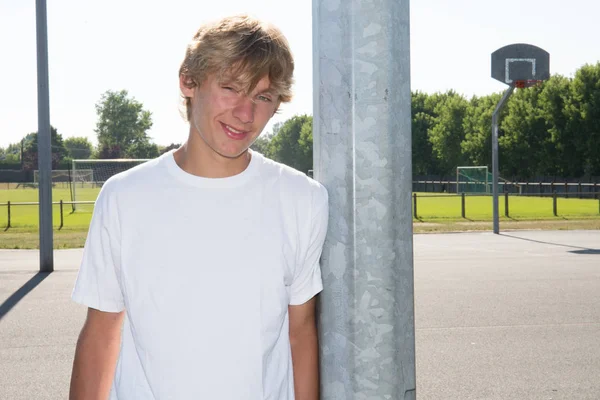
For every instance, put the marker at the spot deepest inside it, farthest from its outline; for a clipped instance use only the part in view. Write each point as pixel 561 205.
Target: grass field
pixel 434 213
pixel 479 208
pixel 27 216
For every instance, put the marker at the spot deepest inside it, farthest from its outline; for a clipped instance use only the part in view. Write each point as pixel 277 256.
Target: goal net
pixel 88 176
pixel 473 180
pixel 62 178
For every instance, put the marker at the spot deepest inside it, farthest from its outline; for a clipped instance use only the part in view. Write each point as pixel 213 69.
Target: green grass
pixel 27 216
pixel 479 208
pixel 436 213
pixel 20 238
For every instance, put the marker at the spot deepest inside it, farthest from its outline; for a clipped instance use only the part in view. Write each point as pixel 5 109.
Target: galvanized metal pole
pixel 44 142
pixel 362 154
pixel 495 163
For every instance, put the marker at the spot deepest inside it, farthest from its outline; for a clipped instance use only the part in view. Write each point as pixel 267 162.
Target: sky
pixel 136 45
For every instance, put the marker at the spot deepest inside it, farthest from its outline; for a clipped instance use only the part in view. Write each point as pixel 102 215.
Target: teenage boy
pixel 201 267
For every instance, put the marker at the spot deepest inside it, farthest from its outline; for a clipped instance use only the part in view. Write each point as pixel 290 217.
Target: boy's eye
pixel 264 98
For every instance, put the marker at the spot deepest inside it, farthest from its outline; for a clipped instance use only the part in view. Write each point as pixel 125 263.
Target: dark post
pixel 506 204
pixel 21 156
pixel 495 163
pixel 71 188
pixel 566 190
pixel 61 215
pixel 8 226
pixel 463 205
pixel 554 205
pixel 579 190
pixel 415 205
pixel 44 142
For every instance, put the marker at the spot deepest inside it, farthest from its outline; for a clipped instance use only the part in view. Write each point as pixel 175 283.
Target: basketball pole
pixel 44 141
pixel 495 163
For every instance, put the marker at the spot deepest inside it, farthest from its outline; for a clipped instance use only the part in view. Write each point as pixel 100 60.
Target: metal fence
pixel 448 205
pixel 10 205
pixel 456 205
pixel 582 189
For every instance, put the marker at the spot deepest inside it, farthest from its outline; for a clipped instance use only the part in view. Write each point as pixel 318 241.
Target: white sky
pixel 137 45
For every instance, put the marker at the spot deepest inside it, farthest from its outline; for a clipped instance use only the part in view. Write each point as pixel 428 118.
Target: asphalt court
pixel 511 316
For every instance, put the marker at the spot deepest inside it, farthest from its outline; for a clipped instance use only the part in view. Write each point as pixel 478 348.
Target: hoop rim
pixel 521 84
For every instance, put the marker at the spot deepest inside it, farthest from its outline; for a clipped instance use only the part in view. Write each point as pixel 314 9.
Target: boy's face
pixel 227 119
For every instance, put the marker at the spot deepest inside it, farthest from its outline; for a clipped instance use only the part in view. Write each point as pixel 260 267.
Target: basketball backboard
pixel 519 64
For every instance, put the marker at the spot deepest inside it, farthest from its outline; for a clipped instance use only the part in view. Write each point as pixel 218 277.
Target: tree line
pixel 290 142
pixel 121 132
pixel 548 130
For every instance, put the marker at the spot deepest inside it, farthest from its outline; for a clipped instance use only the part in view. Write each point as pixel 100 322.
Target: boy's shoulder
pixel 289 180
pixel 144 175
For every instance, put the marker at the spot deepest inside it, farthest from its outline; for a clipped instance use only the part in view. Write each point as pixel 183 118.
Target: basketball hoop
pixel 518 65
pixel 521 84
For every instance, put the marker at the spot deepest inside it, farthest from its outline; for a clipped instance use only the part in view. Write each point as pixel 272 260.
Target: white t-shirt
pixel 205 269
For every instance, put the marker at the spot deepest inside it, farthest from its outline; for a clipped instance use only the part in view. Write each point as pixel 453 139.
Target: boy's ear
pixel 187 85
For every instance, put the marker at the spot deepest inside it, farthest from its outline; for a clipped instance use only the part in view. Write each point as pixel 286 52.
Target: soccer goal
pixel 88 176
pixel 62 178
pixel 473 180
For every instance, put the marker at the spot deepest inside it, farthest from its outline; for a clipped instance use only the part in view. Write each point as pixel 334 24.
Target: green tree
pixel 79 148
pixel 170 147
pixel 584 114
pixel 424 163
pixel 564 149
pixel 262 145
pixel 292 143
pixel 143 149
pixel 30 150
pixel 11 154
pixel 109 152
pixel 14 148
pixel 122 126
pixel 524 138
pixel 477 124
pixel 305 145
pixel 447 133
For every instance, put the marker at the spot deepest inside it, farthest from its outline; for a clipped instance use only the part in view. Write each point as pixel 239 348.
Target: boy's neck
pixel 197 158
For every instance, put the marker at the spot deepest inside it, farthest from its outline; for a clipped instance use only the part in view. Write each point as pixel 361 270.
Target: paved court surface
pixel 514 316
pixel 508 317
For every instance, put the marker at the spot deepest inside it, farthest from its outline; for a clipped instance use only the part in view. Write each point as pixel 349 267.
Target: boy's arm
pixel 305 352
pixel 96 356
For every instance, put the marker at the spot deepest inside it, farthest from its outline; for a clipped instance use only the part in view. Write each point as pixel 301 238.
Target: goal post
pixel 88 176
pixel 476 179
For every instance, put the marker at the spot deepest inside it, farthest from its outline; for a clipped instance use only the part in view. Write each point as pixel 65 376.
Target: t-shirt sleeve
pixel 97 285
pixel 307 281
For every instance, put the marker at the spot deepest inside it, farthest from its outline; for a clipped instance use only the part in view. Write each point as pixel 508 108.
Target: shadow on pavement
pixel 586 251
pixel 579 250
pixel 23 291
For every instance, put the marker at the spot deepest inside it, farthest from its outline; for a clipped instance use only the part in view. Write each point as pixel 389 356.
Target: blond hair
pixel 240 47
